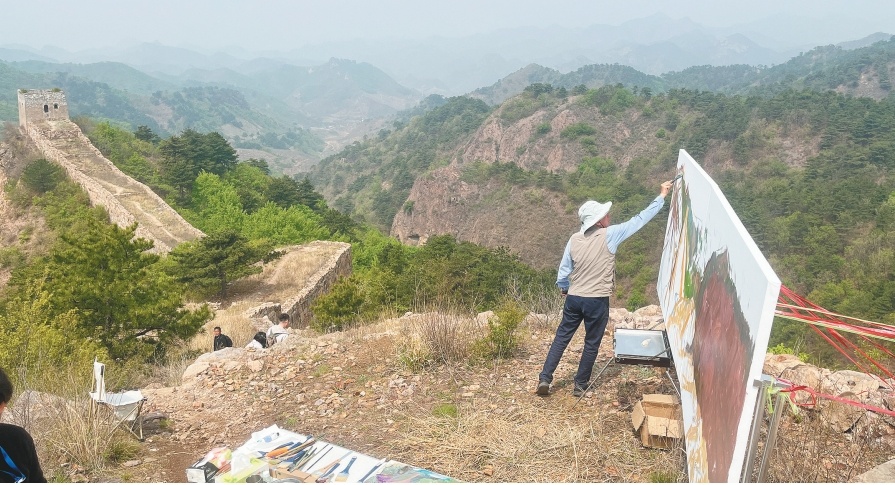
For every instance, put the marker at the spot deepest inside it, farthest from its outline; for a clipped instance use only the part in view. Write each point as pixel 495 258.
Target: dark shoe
pixel 543 388
pixel 578 391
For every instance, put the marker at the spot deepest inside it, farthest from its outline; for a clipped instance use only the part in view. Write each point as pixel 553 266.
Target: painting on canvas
pixel 718 295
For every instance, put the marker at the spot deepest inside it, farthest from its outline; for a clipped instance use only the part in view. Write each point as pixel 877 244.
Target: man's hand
pixel 666 186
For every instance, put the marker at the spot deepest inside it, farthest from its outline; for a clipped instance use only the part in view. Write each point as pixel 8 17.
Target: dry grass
pixel 233 323
pixel 499 434
pixel 283 278
pixel 809 450
pixel 72 436
pixel 436 338
pixel 525 444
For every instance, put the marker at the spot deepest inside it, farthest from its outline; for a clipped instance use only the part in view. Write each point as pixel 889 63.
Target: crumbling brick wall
pixel 299 306
pixel 48 136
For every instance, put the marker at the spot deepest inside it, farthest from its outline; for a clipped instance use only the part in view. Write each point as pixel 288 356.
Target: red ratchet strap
pixel 829 325
pixel 814 395
pixel 794 307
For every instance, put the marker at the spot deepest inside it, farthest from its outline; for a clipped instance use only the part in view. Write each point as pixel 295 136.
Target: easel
pixel 766 382
pixel 638 347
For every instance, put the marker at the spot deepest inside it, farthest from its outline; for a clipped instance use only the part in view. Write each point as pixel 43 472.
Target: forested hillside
pixel 80 287
pixel 492 191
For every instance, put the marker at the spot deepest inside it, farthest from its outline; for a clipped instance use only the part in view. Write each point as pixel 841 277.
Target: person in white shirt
pixel 277 333
pixel 259 341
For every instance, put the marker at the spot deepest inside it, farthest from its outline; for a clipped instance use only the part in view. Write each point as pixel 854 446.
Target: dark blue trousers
pixel 594 311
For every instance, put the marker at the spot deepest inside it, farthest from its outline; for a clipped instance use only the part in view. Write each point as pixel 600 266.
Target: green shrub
pixel 412 355
pixel 122 450
pixel 636 299
pixel 42 176
pixel 338 308
pixel 663 476
pixel 577 130
pixel 11 257
pixel 35 343
pixel 781 349
pixel 502 340
pixel 445 410
pixel 518 108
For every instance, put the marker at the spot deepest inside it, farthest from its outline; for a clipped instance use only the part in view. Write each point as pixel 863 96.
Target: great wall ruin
pixel 43 115
pixel 44 118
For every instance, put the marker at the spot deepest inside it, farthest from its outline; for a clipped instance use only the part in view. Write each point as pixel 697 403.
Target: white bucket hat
pixel 591 212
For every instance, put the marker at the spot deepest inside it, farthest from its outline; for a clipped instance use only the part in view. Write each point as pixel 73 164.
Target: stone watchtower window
pixel 46 109
pixel 55 106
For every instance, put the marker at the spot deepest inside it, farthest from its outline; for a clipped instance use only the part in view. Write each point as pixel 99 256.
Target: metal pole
pixel 758 418
pixel 772 437
pixel 673 385
pixel 594 380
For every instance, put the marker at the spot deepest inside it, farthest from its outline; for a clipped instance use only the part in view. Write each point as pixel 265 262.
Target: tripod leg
pixel 673 385
pixel 593 380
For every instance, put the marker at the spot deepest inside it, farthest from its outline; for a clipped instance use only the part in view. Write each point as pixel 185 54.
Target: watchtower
pixel 41 104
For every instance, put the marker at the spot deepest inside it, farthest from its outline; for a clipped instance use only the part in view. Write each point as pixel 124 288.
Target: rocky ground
pixel 475 422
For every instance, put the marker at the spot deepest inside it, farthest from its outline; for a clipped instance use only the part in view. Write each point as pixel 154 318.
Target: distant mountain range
pixel 290 115
pixel 451 66
pixel 293 109
pixel 822 68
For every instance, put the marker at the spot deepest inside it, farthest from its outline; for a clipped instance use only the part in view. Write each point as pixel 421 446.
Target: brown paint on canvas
pixel 722 352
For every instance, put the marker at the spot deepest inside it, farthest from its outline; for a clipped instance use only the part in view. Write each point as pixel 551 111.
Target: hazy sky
pixel 281 25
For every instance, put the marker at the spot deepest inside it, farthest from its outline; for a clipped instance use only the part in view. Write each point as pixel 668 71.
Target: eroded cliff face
pixel 532 222
pixel 494 216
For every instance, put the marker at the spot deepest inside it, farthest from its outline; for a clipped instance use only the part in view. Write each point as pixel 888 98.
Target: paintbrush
pixel 304 459
pixel 323 478
pixel 342 476
pixel 329 468
pixel 277 451
pixel 292 459
pixel 297 448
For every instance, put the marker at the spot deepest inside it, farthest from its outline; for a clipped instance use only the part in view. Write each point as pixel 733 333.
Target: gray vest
pixel 593 266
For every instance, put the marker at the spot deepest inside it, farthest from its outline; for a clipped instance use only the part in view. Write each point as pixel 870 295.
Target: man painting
pixel 586 278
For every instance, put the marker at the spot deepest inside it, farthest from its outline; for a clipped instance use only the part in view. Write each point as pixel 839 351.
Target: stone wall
pixel 47 136
pixel 44 138
pixel 299 306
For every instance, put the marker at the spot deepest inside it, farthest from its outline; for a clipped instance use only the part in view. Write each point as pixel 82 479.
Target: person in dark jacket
pixel 18 458
pixel 221 341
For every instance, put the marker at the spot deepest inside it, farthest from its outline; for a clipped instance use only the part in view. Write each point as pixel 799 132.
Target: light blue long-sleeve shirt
pixel 615 235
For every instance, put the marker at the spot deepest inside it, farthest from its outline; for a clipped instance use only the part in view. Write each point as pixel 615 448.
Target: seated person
pixel 221 341
pixel 277 333
pixel 259 341
pixel 18 458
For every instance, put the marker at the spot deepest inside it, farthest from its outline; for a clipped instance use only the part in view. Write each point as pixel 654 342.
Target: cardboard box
pixel 657 417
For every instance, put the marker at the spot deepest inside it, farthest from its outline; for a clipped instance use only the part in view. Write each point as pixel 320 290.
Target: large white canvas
pixel 718 295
